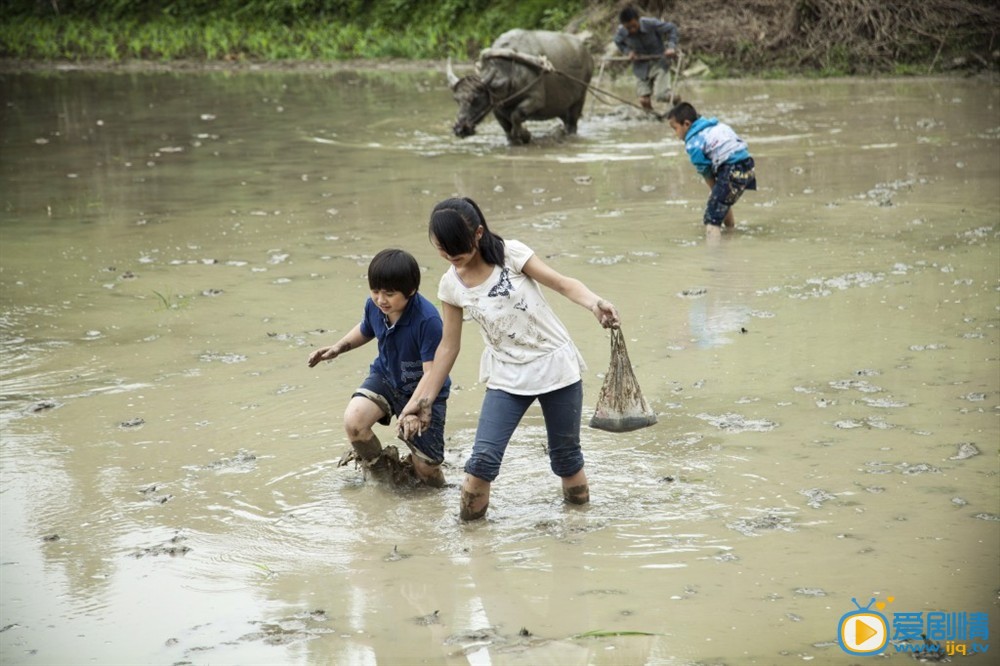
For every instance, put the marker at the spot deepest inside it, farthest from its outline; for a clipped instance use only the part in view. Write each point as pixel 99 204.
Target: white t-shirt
pixel 528 350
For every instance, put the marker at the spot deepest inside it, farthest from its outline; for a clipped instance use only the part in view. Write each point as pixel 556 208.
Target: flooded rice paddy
pixel 827 379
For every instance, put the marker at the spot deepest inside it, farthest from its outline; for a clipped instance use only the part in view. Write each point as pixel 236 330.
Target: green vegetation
pixel 265 30
pixel 171 302
pixel 769 38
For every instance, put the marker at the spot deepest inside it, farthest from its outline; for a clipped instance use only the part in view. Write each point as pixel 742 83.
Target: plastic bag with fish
pixel 620 406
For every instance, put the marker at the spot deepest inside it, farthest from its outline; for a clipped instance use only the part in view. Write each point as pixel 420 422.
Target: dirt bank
pixel 827 36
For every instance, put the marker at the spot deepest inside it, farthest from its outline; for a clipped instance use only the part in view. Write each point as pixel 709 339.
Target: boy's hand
pixel 410 427
pixel 323 354
pixel 415 418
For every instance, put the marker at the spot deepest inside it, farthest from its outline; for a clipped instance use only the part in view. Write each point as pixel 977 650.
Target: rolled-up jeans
pixel 500 415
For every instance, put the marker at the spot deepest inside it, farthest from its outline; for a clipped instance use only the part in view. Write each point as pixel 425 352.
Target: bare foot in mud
pixel 472 509
pixel 475 498
pixel 429 475
pixel 577 494
pixel 576 490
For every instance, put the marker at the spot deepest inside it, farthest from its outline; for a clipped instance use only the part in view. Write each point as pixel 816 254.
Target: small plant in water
pixel 268 571
pixel 169 302
pixel 597 633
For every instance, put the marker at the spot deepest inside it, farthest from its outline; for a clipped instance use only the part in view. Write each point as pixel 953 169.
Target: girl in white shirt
pixel 529 354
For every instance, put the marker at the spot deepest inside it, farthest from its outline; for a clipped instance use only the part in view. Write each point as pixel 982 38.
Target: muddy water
pixel 827 378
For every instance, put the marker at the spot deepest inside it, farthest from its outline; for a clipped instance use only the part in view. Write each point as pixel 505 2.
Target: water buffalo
pixel 524 75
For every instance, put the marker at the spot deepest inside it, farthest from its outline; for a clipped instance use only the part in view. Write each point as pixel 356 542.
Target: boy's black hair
pixel 454 223
pixel 682 113
pixel 394 270
pixel 630 13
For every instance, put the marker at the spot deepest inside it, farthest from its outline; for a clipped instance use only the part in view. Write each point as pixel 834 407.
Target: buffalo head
pixel 475 101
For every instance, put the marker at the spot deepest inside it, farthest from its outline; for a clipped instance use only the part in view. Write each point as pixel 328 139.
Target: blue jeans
pixel 730 182
pixel 502 411
pixel 431 442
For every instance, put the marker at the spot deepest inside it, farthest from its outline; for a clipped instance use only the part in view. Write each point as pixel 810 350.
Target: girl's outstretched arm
pixel 430 384
pixel 572 289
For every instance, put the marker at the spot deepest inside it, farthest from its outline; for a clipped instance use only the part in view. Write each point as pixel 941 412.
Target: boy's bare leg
pixel 359 417
pixel 730 219
pixel 475 498
pixel 429 474
pixel 713 232
pixel 575 488
pixel 367 449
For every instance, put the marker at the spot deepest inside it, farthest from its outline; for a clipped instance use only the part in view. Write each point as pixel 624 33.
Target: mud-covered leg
pixel 359 417
pixel 429 474
pixel 730 219
pixel 369 453
pixel 505 124
pixel 518 134
pixel 367 449
pixel 573 116
pixel 575 488
pixel 475 498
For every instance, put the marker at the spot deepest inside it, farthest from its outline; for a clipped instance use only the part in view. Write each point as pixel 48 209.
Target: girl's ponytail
pixel 490 245
pixel 454 223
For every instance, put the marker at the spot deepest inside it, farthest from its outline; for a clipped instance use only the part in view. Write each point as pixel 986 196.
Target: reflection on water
pixel 827 379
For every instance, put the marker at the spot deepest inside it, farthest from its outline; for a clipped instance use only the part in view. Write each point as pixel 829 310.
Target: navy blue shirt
pixel 406 345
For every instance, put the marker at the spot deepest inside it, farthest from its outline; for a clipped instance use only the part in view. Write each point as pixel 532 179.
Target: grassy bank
pixel 265 30
pixel 753 37
pixel 166 39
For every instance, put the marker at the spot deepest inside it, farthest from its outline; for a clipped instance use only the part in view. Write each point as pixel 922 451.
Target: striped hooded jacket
pixel 710 144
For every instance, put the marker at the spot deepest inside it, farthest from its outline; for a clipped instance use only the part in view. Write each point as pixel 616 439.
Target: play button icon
pixel 863 632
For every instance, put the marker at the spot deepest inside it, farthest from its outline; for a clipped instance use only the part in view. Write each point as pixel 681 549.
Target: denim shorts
pixel 730 182
pixel 429 445
pixel 502 411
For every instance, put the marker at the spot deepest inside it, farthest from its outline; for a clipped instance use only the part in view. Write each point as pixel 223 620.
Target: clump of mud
pixel 241 461
pixel 766 522
pixel 731 422
pixel 387 468
pixel 285 631
pixel 174 547
pixel 470 642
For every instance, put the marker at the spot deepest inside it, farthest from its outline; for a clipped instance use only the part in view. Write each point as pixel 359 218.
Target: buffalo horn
pixel 452 79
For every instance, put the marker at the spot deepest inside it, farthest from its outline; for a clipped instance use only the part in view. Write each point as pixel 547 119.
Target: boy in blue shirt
pixel 408 329
pixel 721 157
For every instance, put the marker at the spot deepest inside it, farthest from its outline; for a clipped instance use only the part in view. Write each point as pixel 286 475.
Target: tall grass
pixel 267 30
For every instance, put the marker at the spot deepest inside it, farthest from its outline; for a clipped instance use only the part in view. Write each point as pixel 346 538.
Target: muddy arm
pixel 353 339
pixel 574 290
pixel 444 360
